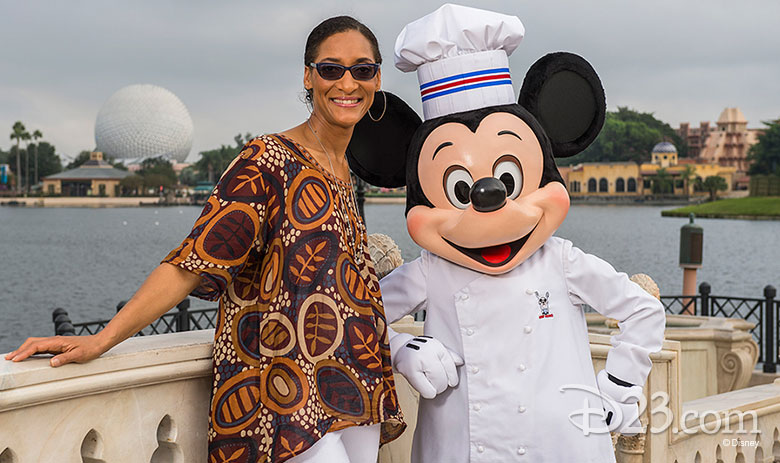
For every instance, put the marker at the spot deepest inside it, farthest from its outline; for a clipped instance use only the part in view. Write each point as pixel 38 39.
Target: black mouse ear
pixel 377 150
pixel 565 95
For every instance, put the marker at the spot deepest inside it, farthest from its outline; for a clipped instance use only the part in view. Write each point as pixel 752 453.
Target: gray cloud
pixel 238 65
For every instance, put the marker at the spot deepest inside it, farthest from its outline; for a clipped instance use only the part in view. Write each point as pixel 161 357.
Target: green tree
pixel 19 133
pixel 713 184
pixel 132 185
pixel 764 156
pixel 662 182
pixel 82 157
pixel 188 176
pixel 157 172
pixel 628 136
pixel 48 161
pixel 686 175
pixel 155 181
pixel 213 162
pixel 35 136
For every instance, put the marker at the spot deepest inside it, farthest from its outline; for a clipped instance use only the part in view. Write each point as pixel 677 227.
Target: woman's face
pixel 342 102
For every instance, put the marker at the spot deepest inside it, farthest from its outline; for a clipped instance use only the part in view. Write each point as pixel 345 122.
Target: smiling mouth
pixel 349 102
pixel 493 256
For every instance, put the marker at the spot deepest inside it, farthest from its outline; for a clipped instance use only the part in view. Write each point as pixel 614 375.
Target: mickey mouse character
pixel 544 304
pixel 484 198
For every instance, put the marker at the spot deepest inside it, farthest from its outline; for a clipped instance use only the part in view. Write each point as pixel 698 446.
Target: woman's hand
pixel 165 287
pixel 66 349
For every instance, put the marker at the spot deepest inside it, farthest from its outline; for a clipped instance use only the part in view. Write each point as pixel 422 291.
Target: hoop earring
pixel 383 109
pixel 308 99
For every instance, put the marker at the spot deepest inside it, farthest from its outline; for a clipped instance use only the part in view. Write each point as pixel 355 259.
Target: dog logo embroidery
pixel 544 304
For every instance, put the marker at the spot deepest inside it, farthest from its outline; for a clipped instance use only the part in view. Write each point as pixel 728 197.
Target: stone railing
pixel 718 354
pixel 146 400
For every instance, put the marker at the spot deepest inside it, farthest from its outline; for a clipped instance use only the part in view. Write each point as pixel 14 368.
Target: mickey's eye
pixel 508 170
pixel 457 185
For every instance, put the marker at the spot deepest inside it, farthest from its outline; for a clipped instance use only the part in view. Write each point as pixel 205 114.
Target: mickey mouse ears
pixel 565 95
pixel 377 150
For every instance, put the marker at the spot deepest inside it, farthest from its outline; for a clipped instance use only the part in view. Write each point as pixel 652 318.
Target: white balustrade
pixel 146 400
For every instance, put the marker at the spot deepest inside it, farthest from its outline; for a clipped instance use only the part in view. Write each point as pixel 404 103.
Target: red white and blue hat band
pixel 465 82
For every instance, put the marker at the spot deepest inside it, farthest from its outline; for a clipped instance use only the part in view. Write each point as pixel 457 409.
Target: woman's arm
pixel 165 287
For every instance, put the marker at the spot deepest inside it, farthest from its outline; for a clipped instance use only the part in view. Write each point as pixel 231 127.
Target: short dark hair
pixel 472 119
pixel 333 26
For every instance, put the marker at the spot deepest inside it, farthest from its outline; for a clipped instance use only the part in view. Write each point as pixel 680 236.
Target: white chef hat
pixel 461 56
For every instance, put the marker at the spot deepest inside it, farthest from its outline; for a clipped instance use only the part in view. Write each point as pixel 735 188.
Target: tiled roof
pixel 89 173
pixel 664 147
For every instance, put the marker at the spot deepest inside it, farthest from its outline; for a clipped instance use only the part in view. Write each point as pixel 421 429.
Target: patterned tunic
pixel 301 343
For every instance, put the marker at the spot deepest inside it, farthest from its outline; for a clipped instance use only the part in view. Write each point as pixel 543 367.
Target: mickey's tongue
pixel 496 254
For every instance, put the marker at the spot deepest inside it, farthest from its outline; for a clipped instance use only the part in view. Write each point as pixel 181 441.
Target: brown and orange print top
pixel 301 344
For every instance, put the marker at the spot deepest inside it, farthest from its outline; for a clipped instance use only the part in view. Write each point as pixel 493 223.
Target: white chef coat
pixel 509 405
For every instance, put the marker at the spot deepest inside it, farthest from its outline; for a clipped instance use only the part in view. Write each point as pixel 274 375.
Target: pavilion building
pixel 629 179
pixel 95 177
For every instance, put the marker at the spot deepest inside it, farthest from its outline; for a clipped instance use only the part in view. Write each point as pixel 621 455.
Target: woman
pixel 301 361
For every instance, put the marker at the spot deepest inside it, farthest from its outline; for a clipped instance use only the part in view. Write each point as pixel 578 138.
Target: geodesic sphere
pixel 143 121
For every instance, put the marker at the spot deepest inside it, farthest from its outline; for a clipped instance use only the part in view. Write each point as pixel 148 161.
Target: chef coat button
pixel 475 369
pixel 480 449
pixel 465 297
pixel 469 331
pixel 522 367
pixel 477 407
pixel 527 329
pixel 520 409
pixel 521 451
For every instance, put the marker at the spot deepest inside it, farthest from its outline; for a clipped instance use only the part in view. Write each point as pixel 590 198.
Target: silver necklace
pixel 327 156
pixel 356 242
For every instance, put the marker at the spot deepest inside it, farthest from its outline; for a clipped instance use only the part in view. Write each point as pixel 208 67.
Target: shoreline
pixel 136 201
pixel 748 208
pixel 77 201
pixel 147 201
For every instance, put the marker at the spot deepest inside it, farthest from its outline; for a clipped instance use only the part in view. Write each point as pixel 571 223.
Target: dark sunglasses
pixel 333 71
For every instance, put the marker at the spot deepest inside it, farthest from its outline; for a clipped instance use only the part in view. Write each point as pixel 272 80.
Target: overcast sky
pixel 238 65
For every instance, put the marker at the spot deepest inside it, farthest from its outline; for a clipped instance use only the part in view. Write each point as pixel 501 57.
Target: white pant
pixel 357 444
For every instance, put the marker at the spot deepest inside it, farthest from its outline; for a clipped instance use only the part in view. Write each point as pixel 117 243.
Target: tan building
pixel 95 177
pixel 726 144
pixel 629 179
pixel 695 137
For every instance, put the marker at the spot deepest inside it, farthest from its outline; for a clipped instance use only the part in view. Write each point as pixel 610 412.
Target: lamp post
pixel 691 245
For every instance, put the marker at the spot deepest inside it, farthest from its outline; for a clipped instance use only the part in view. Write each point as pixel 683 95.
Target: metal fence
pixel 182 318
pixel 761 311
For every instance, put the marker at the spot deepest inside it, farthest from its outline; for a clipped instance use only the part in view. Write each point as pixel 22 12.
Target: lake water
pixel 86 260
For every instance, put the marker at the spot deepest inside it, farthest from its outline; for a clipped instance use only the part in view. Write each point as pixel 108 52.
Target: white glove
pixel 621 410
pixel 424 361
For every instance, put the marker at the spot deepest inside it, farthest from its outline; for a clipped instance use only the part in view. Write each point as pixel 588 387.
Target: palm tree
pixel 686 175
pixel 19 133
pixel 662 181
pixel 35 136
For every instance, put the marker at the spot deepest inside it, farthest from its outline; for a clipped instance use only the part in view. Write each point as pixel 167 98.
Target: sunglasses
pixel 333 71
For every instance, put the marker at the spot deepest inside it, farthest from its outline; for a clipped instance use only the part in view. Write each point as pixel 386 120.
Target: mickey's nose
pixel 488 194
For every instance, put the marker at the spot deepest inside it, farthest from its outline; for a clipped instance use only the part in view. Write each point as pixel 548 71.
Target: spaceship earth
pixel 143 121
